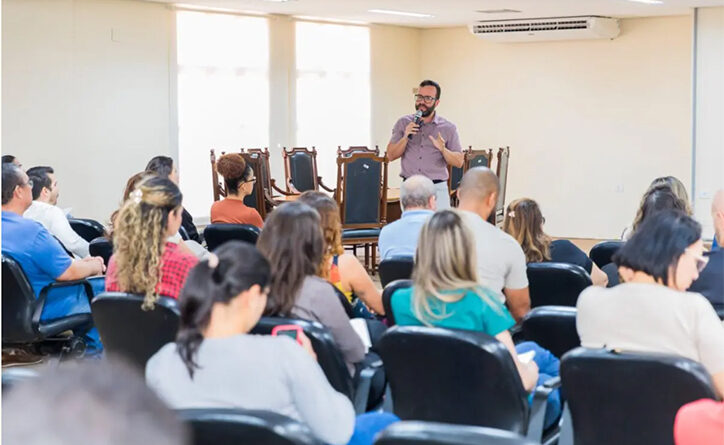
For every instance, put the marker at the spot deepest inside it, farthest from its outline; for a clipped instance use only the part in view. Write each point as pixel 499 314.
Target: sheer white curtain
pixel 332 90
pixel 223 94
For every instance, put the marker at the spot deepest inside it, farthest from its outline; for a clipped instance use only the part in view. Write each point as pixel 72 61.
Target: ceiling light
pixel 499 11
pixel 310 18
pixel 403 13
pixel 648 2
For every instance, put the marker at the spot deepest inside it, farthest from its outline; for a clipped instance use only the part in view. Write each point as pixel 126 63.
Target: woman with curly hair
pixel 524 222
pixel 144 261
pixel 239 183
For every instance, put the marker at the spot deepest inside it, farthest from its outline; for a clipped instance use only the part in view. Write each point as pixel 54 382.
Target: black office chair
pixel 387 292
pixel 238 426
pixel 460 377
pixel 553 328
pixel 102 247
pixel 432 433
pixel 88 229
pixel 602 252
pixel 556 284
pixel 217 234
pixel 127 330
pixel 329 358
pixel 21 312
pixel 396 268
pixel 631 398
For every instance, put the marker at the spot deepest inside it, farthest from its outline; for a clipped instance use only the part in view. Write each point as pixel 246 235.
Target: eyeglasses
pixel 29 183
pixel 426 99
pixel 701 261
pixel 252 179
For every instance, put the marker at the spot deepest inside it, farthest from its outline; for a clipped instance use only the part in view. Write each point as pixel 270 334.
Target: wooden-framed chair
pixel 300 170
pixel 472 158
pixel 219 190
pixel 362 198
pixel 357 149
pixel 502 173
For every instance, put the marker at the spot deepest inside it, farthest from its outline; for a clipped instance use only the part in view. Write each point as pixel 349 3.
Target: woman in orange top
pixel 239 181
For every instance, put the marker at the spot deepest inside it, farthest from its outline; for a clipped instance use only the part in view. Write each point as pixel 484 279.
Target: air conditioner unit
pixel 542 29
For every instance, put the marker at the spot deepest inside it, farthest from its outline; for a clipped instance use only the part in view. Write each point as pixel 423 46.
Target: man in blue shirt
pixel 417 197
pixel 41 256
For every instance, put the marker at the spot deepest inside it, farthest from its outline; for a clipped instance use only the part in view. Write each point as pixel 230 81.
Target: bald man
pixel 711 280
pixel 501 261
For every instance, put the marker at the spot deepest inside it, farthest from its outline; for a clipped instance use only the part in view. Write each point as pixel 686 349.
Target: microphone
pixel 418 118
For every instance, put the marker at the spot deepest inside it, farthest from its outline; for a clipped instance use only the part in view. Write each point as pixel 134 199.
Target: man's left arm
pixel 451 150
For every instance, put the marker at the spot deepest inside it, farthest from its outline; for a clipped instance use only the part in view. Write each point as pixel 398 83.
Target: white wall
pixel 709 156
pixel 589 123
pixel 94 108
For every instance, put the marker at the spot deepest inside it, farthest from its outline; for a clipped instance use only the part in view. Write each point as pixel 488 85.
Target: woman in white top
pixel 651 311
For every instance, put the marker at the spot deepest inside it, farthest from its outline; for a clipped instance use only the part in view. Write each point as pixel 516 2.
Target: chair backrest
pixel 387 292
pixel 453 376
pixel 455 174
pixel 88 229
pixel 362 190
pixel 629 399
pixel 237 426
pixel 328 354
pixel 396 268
pixel 219 190
pixel 479 158
pixel 257 198
pixel 217 234
pixel 556 284
pixel 502 173
pixel 21 313
pixel 553 328
pixel 602 252
pixel 300 168
pixel 102 247
pixel 127 330
pixel 357 149
pixel 433 433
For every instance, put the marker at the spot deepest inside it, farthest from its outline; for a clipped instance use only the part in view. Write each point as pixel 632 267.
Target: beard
pixel 426 111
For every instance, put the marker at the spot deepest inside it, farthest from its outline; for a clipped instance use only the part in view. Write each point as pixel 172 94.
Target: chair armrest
pixel 58 284
pixel 538 408
pixel 321 184
pixel 364 383
pixel 277 189
pixel 269 200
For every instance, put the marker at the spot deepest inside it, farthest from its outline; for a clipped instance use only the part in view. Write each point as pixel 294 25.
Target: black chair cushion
pixel 387 292
pixel 602 252
pixel 101 247
pixel 629 399
pixel 236 426
pixel 217 234
pixel 360 233
pixel 88 229
pixel 362 191
pixel 301 171
pixel 556 284
pixel 553 328
pixel 433 433
pixel 396 268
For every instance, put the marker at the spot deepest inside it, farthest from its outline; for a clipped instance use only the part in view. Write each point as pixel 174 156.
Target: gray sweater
pixel 254 372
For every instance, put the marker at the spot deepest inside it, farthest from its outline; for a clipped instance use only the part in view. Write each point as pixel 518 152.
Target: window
pixel 223 94
pixel 332 91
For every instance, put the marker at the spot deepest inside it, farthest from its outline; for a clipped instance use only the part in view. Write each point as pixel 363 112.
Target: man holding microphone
pixel 427 142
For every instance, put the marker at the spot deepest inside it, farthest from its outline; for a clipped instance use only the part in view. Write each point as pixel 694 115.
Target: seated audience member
pixel 41 256
pixel 44 210
pixel 650 311
pixel 130 187
pixel 293 243
pixel 399 238
pixel 446 293
pixel 501 261
pixel 524 222
pixel 711 280
pixel 94 402
pixel 215 363
pixel 700 423
pixel 144 261
pixel 10 159
pixel 165 167
pixel 342 269
pixel 239 183
pixel 664 182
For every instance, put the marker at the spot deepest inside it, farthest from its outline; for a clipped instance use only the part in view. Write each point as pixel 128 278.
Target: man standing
pixel 45 211
pixel 428 144
pixel 417 196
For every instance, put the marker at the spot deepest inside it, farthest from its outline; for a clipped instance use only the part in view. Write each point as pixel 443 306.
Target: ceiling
pixel 449 12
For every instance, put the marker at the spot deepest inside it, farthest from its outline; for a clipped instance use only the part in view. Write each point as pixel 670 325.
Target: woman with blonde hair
pixel 339 268
pixel 144 261
pixel 524 222
pixel 446 293
pixel 650 198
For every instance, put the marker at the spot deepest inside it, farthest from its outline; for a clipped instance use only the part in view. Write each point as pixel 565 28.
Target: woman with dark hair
pixel 293 243
pixel 215 363
pixel 165 167
pixel 651 310
pixel 239 183
pixel 144 261
pixel 524 222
